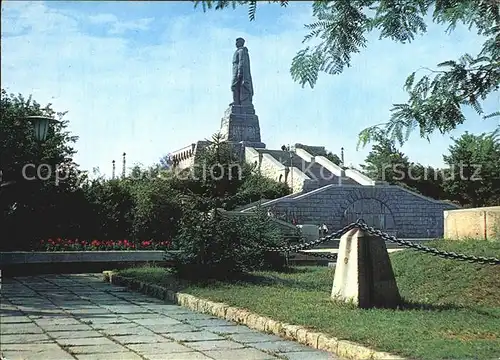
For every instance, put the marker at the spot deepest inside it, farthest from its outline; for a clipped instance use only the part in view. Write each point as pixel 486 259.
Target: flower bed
pixel 101 245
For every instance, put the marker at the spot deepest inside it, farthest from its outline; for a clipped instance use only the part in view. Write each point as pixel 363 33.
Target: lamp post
pixel 290 154
pixel 41 128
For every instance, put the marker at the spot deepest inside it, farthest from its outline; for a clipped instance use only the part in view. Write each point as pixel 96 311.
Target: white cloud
pixel 103 18
pixel 151 98
pixel 119 27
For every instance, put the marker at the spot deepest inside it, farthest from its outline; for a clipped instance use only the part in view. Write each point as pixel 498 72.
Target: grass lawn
pixel 451 310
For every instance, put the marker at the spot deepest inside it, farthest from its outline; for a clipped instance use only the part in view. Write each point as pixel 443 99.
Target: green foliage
pixel 436 100
pixel 157 210
pixel 385 162
pixel 219 5
pixel 147 204
pixel 257 187
pixel 474 175
pixel 221 174
pixel 17 142
pixel 334 158
pixel 110 205
pixel 36 208
pixel 212 242
pixel 471 177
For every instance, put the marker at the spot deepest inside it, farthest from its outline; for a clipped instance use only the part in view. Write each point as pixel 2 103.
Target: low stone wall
pixel 39 262
pixel 478 223
pixel 39 257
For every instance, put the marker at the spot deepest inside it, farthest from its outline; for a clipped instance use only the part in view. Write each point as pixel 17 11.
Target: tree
pixel 473 177
pixel 436 100
pixel 426 180
pixel 385 162
pixel 44 200
pixel 213 243
pixel 334 158
pixel 166 162
pixel 315 151
pixel 17 142
pixel 157 209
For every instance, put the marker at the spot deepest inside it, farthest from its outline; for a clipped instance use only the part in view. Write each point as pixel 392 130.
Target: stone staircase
pixel 318 174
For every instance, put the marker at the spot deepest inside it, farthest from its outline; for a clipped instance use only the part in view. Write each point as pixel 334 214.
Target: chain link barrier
pixel 360 224
pixel 433 251
pixel 311 244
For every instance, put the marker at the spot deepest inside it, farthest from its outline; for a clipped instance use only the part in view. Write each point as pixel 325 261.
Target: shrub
pixel 111 206
pixel 157 210
pixel 214 244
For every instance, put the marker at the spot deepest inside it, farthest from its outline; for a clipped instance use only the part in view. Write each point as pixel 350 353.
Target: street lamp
pixel 41 126
pixel 289 150
pixel 41 129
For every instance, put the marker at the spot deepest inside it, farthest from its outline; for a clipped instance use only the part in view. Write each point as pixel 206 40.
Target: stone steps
pixel 316 172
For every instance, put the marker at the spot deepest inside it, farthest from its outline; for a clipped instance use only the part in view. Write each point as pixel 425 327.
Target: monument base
pixel 258 145
pixel 240 124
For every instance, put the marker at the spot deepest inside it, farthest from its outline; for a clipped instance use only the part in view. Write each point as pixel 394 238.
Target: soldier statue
pixel 241 84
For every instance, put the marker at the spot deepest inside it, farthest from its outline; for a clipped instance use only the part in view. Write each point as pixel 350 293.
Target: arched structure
pixel 373 211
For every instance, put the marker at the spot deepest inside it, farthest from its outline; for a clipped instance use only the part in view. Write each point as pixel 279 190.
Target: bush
pixel 216 245
pixel 111 205
pixel 157 210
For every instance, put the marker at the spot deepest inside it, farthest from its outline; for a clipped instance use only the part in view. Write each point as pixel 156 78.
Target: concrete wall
pixel 273 169
pixel 406 213
pixel 477 223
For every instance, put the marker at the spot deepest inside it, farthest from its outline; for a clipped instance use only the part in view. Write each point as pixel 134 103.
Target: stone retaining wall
pixel 478 223
pixel 406 214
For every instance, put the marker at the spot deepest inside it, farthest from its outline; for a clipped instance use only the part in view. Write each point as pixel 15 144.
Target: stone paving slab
pixel 178 356
pixel 246 354
pixel 28 355
pixel 194 336
pixel 110 356
pixel 78 316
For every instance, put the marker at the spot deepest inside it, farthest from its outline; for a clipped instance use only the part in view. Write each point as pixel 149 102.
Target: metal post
pixel 123 169
pixel 291 165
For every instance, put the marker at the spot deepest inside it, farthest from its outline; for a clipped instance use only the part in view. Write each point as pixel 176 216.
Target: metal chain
pixel 330 256
pixel 306 246
pixel 444 254
pixel 360 224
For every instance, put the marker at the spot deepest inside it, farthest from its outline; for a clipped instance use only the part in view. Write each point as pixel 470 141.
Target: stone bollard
pixel 363 274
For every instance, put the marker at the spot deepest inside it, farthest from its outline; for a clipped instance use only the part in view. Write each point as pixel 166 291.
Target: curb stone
pixel 300 334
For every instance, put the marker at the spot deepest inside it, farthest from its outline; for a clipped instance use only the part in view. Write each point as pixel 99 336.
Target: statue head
pixel 240 42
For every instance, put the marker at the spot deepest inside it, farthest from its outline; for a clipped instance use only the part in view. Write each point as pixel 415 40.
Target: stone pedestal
pixel 241 125
pixel 363 274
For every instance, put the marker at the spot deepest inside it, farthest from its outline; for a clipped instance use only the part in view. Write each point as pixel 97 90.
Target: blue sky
pixel 148 78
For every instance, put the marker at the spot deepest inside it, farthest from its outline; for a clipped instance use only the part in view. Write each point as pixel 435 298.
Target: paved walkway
pixel 59 317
